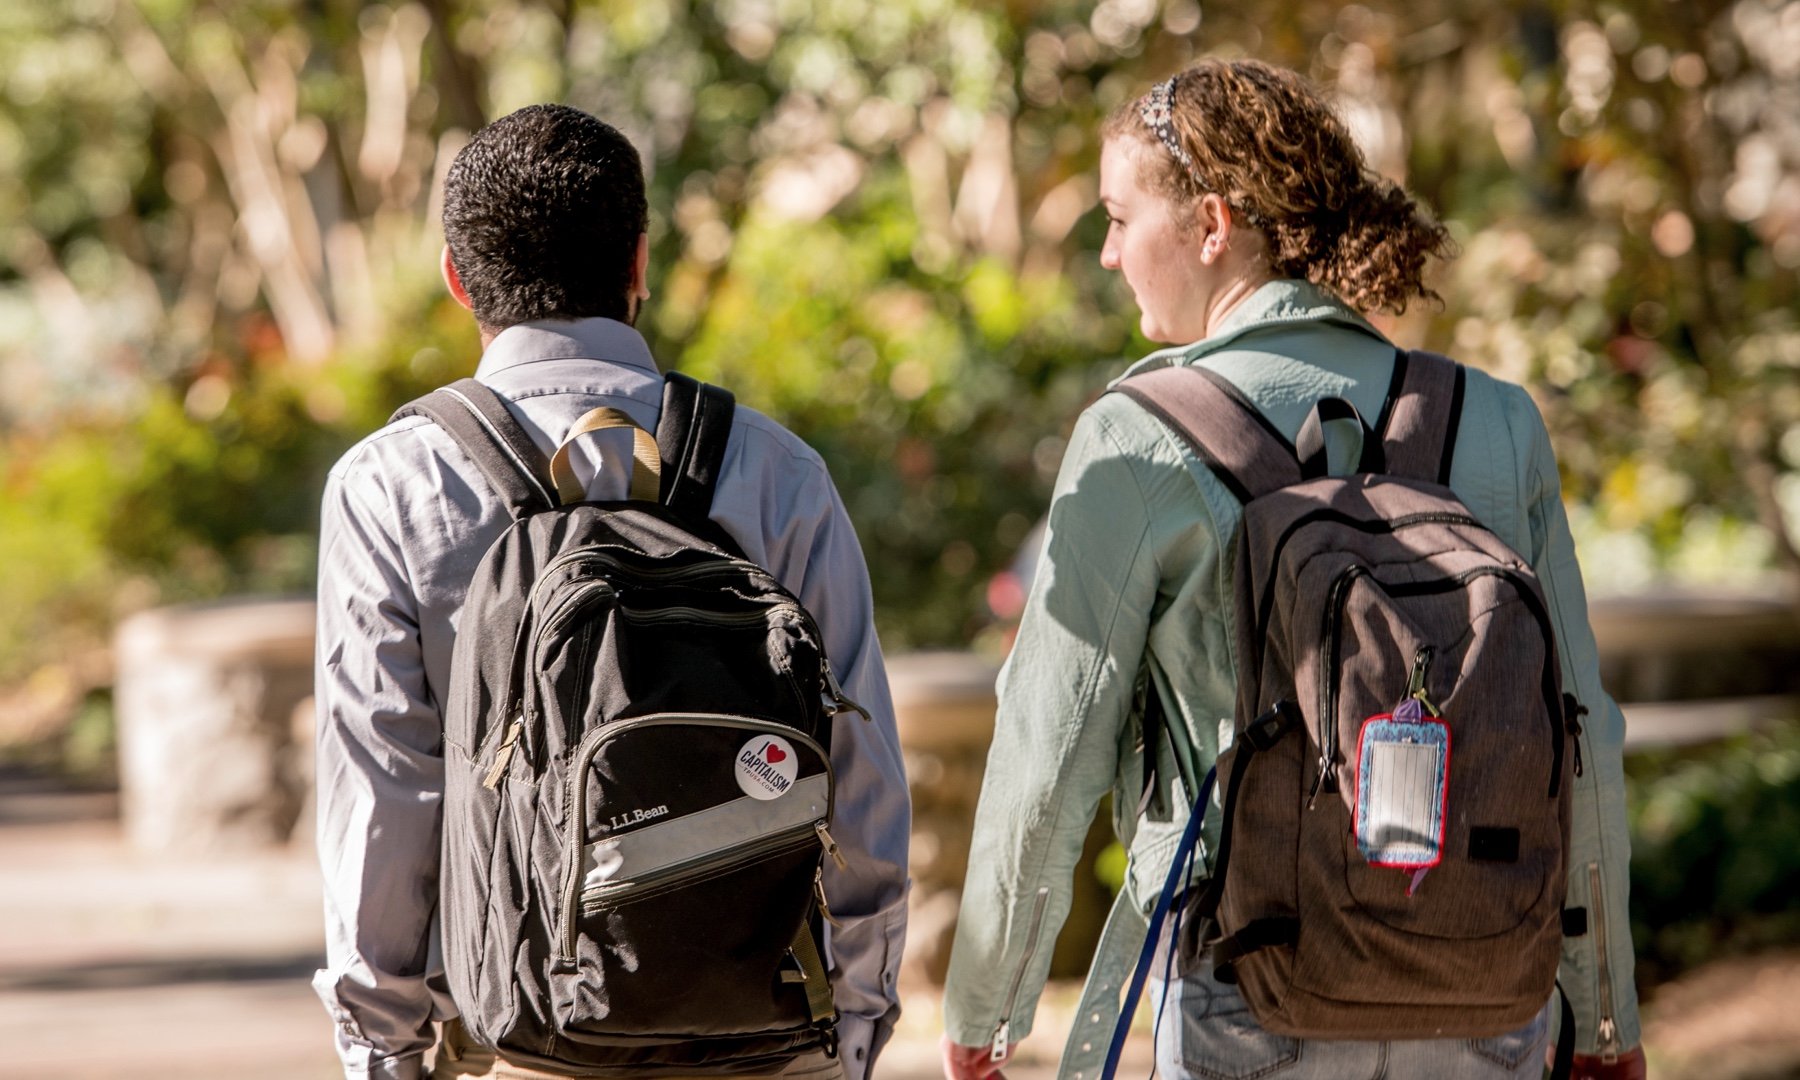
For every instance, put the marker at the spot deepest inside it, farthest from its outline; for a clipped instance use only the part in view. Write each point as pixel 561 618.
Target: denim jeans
pixel 1204 1031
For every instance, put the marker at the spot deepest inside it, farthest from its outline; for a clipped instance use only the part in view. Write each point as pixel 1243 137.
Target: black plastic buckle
pixel 1269 728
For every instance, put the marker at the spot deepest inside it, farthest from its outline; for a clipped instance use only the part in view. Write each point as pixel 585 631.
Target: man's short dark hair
pixel 542 213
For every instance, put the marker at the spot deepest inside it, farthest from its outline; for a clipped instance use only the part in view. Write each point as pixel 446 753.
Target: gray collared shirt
pixel 406 518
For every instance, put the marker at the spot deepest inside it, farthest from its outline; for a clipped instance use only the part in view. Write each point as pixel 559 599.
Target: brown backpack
pixel 1396 798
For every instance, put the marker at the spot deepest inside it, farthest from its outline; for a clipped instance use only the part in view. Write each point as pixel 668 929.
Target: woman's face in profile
pixel 1145 242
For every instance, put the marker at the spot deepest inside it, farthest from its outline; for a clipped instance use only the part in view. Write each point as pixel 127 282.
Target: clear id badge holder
pixel 1402 776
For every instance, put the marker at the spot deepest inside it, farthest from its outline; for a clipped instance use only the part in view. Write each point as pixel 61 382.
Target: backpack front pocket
pixel 692 845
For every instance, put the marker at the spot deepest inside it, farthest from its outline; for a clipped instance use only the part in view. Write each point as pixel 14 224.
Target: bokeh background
pixel 874 220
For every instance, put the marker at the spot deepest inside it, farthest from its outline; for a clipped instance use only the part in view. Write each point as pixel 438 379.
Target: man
pixel 544 222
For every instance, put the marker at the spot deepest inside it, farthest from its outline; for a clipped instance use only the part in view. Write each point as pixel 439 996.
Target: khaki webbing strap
pixel 1419 427
pixel 817 983
pixel 1223 428
pixel 646 463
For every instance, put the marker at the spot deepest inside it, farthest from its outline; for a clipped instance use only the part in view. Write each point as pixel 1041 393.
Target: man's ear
pixel 640 270
pixel 453 280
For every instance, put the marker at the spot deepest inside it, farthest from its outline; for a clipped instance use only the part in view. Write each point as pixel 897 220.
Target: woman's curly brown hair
pixel 1269 143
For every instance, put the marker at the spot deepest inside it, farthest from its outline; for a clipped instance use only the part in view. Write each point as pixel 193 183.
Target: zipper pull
pixel 1001 1042
pixel 503 757
pixel 819 891
pixel 1609 1040
pixel 1319 781
pixel 831 846
pixel 1574 710
pixel 838 701
pixel 1415 685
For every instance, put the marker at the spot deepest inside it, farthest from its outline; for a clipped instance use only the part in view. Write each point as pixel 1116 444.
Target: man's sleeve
pixel 1065 697
pixel 873 819
pixel 1596 971
pixel 380 787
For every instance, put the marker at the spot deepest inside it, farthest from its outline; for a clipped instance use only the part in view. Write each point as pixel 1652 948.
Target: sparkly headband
pixel 1158 110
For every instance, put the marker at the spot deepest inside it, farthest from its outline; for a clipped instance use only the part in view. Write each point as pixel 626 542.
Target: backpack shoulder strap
pixel 1222 426
pixel 1420 419
pixel 691 435
pixel 479 421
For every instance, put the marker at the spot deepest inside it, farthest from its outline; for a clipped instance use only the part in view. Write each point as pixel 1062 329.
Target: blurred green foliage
pixel 871 220
pixel 1714 868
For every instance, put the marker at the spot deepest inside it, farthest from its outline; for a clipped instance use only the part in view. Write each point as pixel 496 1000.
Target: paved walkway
pixel 116 965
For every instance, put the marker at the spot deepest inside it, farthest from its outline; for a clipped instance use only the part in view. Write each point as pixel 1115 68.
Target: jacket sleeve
pixel 822 563
pixel 380 789
pixel 1596 971
pixel 1065 697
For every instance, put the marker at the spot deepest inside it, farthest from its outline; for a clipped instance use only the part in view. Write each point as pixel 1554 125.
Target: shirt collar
pixel 556 339
pixel 1285 302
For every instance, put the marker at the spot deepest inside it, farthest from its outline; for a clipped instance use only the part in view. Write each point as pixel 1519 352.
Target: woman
pixel 1245 222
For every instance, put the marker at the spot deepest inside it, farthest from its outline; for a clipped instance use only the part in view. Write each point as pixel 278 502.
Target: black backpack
pixel 638 782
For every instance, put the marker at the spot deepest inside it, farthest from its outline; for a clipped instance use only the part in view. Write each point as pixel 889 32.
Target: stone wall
pixel 215 740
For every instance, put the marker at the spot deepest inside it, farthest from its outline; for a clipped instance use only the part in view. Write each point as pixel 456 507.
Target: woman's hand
pixel 1627 1066
pixel 972 1062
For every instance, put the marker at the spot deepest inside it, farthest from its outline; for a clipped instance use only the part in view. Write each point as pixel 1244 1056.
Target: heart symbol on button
pixel 773 754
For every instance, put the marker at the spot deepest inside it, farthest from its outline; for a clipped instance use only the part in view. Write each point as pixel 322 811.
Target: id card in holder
pixel 1402 772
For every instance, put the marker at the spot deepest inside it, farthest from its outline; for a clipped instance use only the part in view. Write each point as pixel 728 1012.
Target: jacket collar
pixel 583 339
pixel 1283 303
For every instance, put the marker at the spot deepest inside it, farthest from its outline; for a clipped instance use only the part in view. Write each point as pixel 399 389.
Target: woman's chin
pixel 1153 331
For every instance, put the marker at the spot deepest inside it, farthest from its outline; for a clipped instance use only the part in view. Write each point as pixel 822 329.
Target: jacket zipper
pixel 575 809
pixel 1608 1031
pixel 1334 614
pixel 1003 1031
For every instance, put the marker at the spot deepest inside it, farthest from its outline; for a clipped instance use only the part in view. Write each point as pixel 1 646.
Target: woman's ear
pixel 1212 224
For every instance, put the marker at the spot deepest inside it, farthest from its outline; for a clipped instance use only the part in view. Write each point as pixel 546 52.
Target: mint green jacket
pixel 1134 583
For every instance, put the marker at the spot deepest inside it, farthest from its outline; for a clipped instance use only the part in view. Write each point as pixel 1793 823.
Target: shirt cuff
pixel 411 1067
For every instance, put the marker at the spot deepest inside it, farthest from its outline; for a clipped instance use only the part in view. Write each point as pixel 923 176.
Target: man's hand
pixel 972 1062
pixel 1628 1066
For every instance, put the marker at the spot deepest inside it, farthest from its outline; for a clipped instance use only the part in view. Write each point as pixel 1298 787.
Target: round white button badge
pixel 767 766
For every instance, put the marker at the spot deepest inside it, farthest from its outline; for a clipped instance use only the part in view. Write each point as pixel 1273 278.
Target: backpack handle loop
pixel 1311 448
pixel 646 462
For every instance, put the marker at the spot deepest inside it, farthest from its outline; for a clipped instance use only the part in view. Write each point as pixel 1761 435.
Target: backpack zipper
pixel 575 827
pixel 1522 588
pixel 684 613
pixel 819 891
pixel 599 553
pixel 1608 1031
pixel 1372 528
pixel 578 600
pixel 838 701
pixel 1334 614
pixel 613 894
pixel 504 754
pixel 1003 1030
